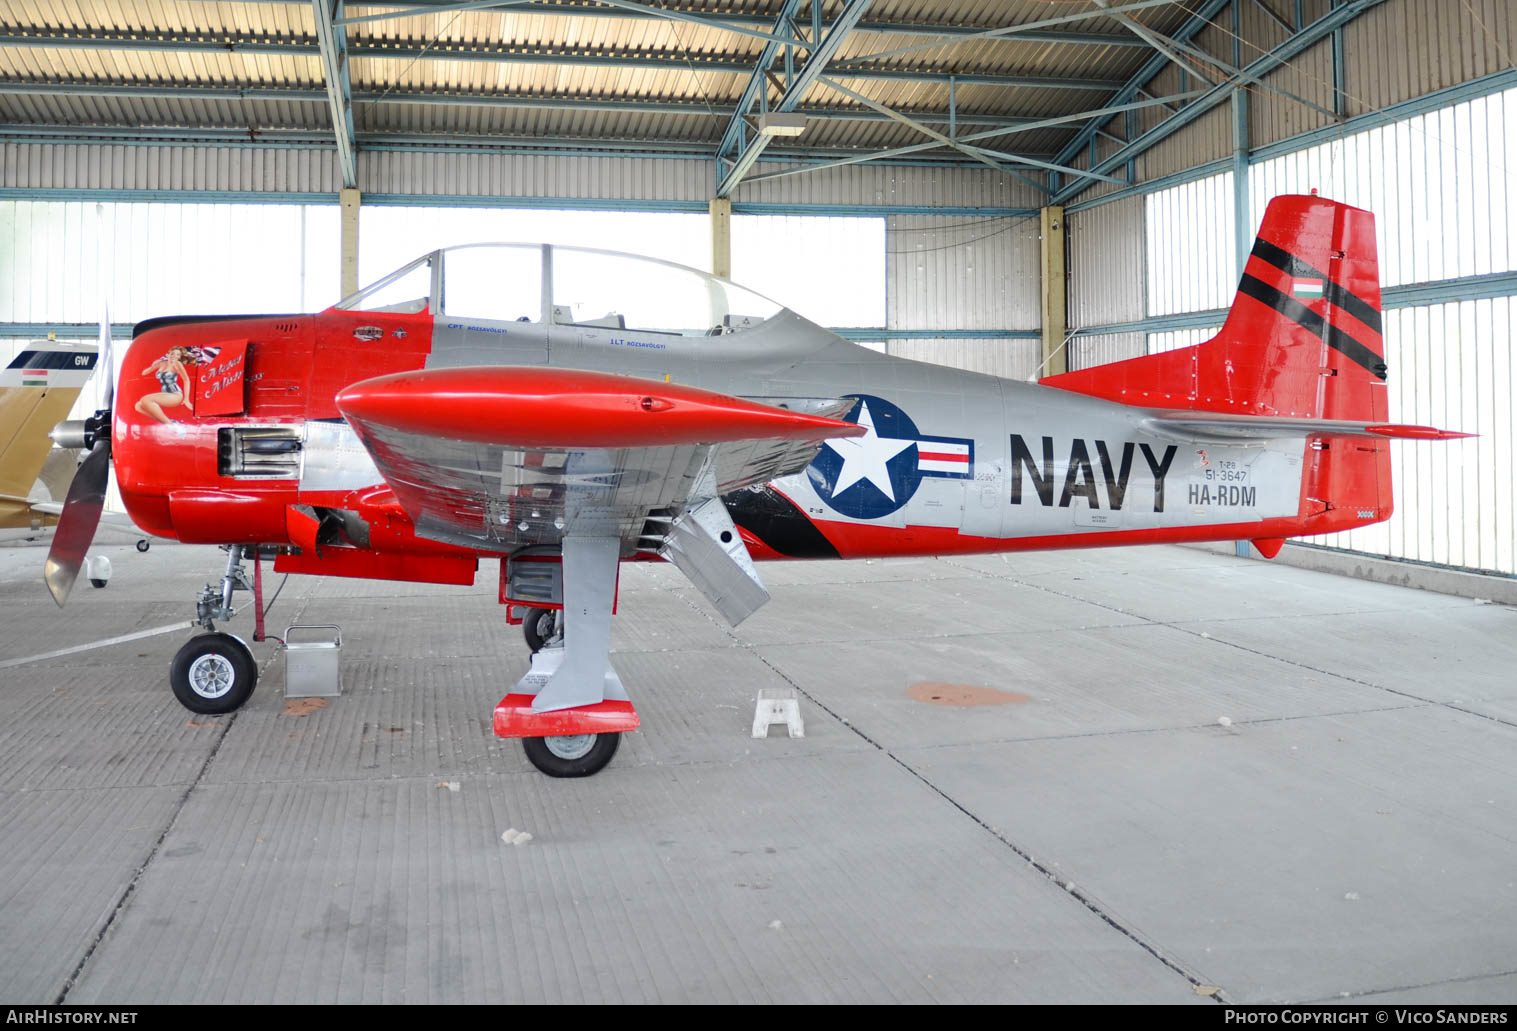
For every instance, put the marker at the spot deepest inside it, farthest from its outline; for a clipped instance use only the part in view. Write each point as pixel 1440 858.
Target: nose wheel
pixel 571 755
pixel 213 674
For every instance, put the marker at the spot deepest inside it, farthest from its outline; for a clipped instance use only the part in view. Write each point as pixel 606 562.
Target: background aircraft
pixel 563 410
pixel 37 389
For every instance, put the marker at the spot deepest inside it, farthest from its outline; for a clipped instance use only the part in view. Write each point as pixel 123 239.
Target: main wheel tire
pixel 571 755
pixel 143 544
pixel 538 628
pixel 213 674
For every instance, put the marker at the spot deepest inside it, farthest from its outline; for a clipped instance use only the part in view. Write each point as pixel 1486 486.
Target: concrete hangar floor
pixel 1211 778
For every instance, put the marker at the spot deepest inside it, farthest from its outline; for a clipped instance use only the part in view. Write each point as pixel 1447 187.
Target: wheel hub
pixel 211 676
pixel 571 746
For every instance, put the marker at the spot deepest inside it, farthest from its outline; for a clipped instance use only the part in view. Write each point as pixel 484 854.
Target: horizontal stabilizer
pixel 1220 427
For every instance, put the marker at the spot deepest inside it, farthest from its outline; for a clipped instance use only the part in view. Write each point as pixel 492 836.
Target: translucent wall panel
pixel 830 270
pixel 1087 351
pixel 388 237
pixel 1191 259
pixel 1180 338
pixel 1451 366
pixel 60 262
pixel 1443 187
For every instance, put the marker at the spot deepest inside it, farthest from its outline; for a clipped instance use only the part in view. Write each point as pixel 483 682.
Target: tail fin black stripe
pixel 34 359
pixel 1336 295
pixel 1309 320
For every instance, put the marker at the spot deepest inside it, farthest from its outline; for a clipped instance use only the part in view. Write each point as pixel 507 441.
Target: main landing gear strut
pixel 571 709
pixel 214 673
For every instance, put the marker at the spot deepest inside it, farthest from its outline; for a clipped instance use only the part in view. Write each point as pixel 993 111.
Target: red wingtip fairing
pixel 1418 433
pixel 536 407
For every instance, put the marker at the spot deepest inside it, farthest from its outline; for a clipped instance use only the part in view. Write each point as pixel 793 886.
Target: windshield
pixel 505 282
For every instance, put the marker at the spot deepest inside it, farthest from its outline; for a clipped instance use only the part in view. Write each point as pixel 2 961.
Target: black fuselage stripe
pixel 1336 295
pixel 1312 322
pixel 774 519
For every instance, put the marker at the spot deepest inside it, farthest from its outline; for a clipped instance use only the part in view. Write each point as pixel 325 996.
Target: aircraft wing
pixel 107 517
pixel 502 458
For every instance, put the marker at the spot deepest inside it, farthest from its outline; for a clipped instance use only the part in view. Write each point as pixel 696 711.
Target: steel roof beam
pixel 435 142
pixel 1023 29
pixel 412 50
pixel 753 91
pixel 989 157
pixel 333 44
pixel 1314 33
pixel 309 94
pixel 1043 123
pixel 816 63
pixel 561 8
pixel 1135 85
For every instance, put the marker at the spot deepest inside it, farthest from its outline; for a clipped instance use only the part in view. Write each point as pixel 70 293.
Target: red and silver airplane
pixel 471 406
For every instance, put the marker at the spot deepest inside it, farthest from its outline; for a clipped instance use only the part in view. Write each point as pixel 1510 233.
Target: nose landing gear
pixel 215 673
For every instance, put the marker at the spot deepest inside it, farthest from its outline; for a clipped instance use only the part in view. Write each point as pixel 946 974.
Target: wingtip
pixel 1402 432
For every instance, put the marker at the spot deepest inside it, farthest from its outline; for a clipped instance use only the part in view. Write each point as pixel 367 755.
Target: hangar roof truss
pixel 1040 89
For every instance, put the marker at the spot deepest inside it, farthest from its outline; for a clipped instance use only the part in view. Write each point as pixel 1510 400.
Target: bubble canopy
pixel 576 286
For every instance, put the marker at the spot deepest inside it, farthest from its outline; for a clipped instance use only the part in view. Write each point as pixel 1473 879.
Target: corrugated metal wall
pixel 530 175
pixel 1010 358
pixel 1409 48
pixel 112 167
pixel 960 272
pixel 1309 75
pixel 887 185
pixel 1106 264
pixel 420 174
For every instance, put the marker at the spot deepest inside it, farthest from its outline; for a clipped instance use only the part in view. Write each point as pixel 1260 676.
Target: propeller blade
pixel 104 361
pixel 77 523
